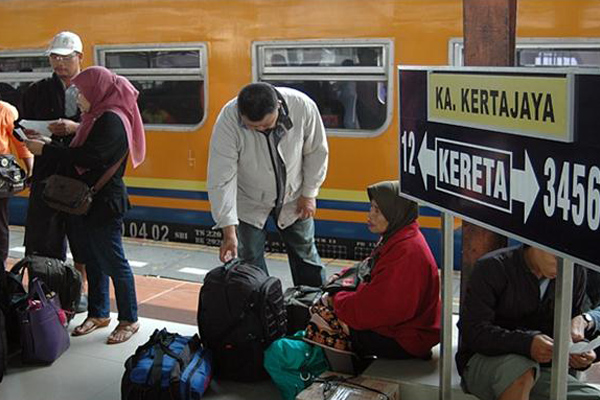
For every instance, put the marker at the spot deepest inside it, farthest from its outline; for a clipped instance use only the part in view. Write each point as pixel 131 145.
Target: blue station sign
pixel 514 149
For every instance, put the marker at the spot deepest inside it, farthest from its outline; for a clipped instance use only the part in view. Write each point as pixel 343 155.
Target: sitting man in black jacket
pixel 506 327
pixel 587 325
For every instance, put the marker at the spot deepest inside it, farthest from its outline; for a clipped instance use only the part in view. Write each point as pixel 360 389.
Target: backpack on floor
pixel 167 367
pixel 240 313
pixel 60 277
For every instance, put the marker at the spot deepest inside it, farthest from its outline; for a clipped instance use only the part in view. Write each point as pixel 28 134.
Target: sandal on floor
pixel 90 325
pixel 123 332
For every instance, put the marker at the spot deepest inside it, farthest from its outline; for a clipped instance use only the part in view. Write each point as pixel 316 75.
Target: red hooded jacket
pixel 402 300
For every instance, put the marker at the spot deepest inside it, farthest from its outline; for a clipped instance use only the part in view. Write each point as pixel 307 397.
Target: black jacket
pixel 45 100
pixel 105 145
pixel 502 309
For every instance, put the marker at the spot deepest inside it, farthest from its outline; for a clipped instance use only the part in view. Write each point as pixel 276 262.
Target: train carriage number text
pixel 140 230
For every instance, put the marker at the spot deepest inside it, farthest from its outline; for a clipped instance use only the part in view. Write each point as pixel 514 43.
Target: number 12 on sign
pixel 408 152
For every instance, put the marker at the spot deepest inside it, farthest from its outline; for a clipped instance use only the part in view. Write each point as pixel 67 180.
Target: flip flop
pixel 90 325
pixel 123 332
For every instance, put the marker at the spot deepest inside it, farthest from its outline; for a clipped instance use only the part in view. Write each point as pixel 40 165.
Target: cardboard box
pixel 347 391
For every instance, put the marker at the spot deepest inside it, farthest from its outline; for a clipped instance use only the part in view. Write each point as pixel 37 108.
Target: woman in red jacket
pixel 395 312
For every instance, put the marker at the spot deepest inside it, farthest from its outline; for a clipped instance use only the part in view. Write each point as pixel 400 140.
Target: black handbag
pixel 71 195
pixel 349 280
pixel 61 277
pixel 12 176
pixel 297 300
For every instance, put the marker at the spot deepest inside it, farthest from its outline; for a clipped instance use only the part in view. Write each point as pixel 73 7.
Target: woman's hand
pixel 63 127
pixel 333 278
pixel 35 146
pixel 327 300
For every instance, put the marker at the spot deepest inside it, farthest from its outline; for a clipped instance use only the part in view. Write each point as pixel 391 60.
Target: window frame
pixel 22 76
pixel 163 74
pixel 456 45
pixel 384 73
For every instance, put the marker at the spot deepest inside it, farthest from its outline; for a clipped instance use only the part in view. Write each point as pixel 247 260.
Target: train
pixel 189 57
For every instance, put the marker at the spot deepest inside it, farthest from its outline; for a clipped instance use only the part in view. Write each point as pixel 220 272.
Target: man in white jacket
pixel 268 157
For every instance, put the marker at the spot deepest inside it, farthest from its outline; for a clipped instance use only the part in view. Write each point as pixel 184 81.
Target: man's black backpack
pixel 240 313
pixel 61 277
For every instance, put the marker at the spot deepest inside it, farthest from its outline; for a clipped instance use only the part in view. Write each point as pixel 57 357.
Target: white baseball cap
pixel 64 44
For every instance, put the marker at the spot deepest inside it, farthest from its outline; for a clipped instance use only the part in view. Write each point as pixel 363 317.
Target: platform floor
pixel 168 278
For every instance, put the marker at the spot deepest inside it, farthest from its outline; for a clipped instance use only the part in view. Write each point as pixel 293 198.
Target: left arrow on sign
pixel 427 161
pixel 524 186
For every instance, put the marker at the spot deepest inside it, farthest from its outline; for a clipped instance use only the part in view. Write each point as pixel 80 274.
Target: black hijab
pixel 398 211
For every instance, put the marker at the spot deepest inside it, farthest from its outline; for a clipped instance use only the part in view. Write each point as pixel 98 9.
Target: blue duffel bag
pixel 167 367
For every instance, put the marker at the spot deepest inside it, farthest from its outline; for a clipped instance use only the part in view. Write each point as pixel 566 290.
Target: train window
pixel 350 80
pixel 24 64
pixel 18 70
pixel 545 52
pixel 171 81
pixel 558 57
pixel 153 59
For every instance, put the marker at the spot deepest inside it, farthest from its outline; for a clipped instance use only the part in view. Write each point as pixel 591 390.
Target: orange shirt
pixel 8 115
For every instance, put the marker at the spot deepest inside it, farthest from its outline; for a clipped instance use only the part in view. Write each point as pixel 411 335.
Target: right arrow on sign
pixel 524 186
pixel 427 161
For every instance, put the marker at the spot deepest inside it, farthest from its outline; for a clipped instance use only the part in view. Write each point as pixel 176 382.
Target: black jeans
pixel 4 230
pixel 369 343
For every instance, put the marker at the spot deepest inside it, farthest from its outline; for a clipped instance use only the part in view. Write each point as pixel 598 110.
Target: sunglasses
pixel 68 57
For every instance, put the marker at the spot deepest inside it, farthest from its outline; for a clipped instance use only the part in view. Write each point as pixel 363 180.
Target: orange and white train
pixel 189 57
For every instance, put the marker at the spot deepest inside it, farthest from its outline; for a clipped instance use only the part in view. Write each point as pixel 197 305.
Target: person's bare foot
pixel 123 332
pixel 90 325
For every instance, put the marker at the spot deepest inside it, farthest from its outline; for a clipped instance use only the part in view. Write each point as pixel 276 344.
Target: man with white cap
pixel 54 99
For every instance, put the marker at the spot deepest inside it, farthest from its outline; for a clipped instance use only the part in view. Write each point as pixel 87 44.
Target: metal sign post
pixel 562 330
pixel 447 358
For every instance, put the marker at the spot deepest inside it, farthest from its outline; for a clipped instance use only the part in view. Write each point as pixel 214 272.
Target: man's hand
pixel 578 326
pixel 307 206
pixel 63 127
pixel 35 146
pixel 229 244
pixel 35 135
pixel 541 348
pixel 581 361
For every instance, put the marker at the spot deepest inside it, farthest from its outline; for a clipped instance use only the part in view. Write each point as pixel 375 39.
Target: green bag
pixel 293 364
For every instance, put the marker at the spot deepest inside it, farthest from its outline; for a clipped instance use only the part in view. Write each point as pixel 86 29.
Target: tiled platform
pixel 162 299
pixel 91 370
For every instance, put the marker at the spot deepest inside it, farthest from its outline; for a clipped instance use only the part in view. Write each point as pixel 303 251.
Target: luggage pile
pixel 33 320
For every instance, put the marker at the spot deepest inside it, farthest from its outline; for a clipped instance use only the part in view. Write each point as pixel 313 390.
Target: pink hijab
pixel 107 91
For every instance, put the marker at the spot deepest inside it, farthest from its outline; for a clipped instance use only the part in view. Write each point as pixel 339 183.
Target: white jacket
pixel 241 180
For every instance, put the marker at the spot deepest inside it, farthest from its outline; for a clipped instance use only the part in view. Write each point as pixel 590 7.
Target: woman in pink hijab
pixel 111 128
